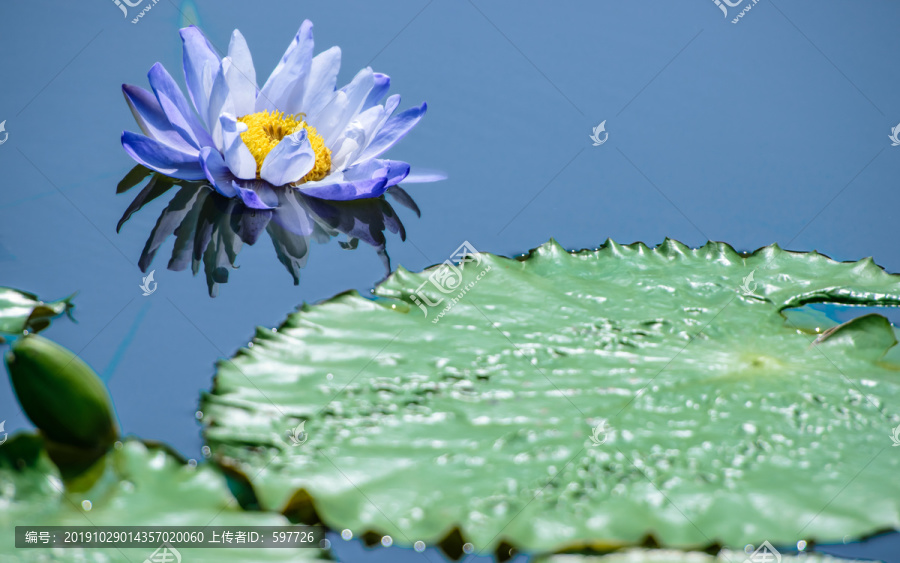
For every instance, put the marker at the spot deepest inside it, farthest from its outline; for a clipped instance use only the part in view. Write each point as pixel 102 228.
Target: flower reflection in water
pixel 210 229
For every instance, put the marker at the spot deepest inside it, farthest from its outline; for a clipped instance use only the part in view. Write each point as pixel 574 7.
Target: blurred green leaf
pixel 140 485
pixel 21 311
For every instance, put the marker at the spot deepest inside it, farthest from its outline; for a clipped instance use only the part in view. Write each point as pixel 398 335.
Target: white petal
pixel 241 76
pixel 390 106
pixel 346 148
pixel 237 156
pixel 320 84
pixel 290 160
pixel 343 107
pixel 288 80
pixel 220 102
pixel 361 131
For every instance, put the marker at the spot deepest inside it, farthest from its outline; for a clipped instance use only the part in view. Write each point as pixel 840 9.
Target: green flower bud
pixel 61 394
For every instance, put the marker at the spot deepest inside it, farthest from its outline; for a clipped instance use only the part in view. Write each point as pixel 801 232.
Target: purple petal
pixel 394 129
pixel 175 105
pixel 217 172
pixel 290 160
pixel 152 120
pixel 382 85
pixel 348 189
pixel 395 171
pixel 256 194
pixel 424 175
pixel 201 63
pixel 162 158
pixel 366 180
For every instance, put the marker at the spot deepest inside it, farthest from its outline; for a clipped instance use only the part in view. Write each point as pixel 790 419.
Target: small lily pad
pixel 563 400
pixel 138 485
pixel 865 336
pixel 21 311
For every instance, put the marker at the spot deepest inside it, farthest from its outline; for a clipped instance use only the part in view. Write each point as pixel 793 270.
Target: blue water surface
pixel 771 129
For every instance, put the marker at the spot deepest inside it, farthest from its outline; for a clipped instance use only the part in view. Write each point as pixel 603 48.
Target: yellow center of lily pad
pixel 266 130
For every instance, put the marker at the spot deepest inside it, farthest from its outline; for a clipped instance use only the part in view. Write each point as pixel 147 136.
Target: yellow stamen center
pixel 266 130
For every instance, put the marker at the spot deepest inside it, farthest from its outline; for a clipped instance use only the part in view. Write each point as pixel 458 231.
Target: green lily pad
pixel 21 311
pixel 137 484
pixel 601 398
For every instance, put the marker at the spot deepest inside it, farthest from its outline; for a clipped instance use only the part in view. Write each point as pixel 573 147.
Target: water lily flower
pixel 297 130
